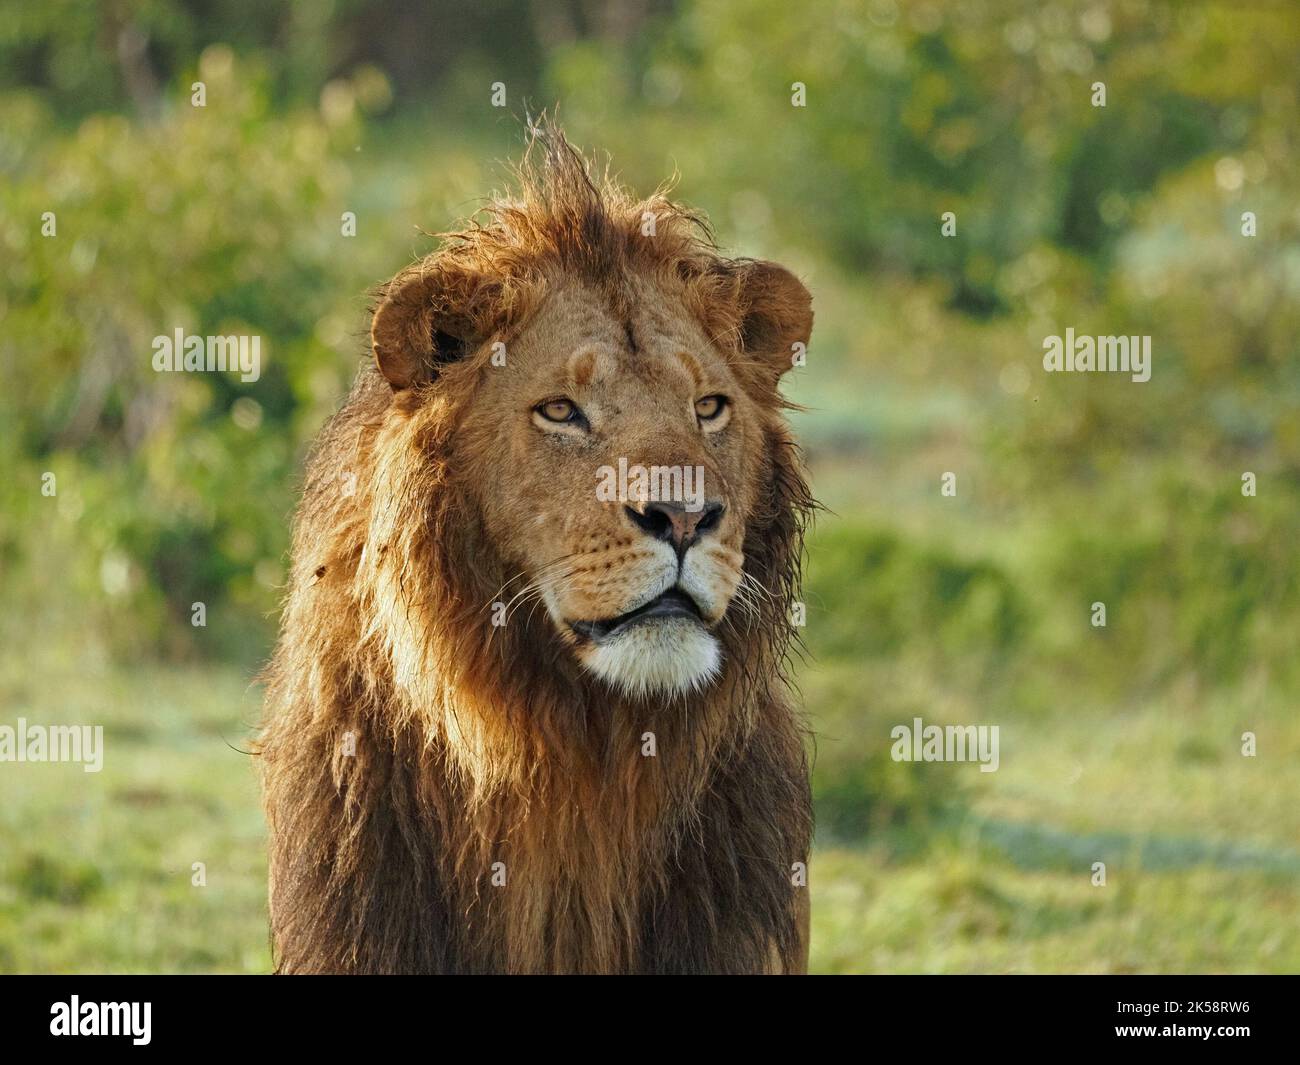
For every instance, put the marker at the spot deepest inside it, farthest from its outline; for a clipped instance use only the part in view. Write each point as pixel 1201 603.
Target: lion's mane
pixel 445 795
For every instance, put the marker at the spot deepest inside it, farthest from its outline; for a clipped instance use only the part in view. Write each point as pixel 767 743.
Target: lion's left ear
pixel 770 315
pixel 776 313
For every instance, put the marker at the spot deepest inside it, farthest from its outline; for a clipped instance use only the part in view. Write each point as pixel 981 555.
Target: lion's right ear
pixel 430 314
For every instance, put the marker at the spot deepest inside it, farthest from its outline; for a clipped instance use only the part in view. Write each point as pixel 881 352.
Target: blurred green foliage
pixel 166 486
pixel 926 358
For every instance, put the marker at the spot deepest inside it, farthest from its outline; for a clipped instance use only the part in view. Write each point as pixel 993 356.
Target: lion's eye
pixel 558 410
pixel 710 408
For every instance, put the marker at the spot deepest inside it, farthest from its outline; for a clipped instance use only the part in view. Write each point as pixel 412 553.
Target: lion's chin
pixel 669 657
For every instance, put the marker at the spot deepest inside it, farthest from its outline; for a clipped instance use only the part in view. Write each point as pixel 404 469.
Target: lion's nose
pixel 673 523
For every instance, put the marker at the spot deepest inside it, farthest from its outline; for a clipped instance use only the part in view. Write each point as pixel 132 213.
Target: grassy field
pixel 1199 845
pixel 96 869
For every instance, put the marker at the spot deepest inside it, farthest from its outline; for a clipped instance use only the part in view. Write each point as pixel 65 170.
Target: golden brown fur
pixel 413 752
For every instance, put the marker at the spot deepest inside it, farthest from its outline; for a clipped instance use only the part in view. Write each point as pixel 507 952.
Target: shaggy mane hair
pixel 444 795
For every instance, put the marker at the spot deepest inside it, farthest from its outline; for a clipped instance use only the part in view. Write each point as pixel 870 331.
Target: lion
pixel 518 721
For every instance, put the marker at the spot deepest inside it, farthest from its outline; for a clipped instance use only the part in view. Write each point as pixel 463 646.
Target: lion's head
pixel 610 384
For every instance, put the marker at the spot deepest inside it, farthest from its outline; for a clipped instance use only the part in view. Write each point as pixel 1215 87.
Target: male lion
pixel 459 782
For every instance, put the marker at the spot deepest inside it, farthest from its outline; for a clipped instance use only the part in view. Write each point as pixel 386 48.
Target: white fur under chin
pixel 670 657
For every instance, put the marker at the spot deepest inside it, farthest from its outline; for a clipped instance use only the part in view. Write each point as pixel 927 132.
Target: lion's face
pixel 615 462
pixel 605 397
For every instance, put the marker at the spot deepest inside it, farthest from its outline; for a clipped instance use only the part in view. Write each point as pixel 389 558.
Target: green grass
pixel 96 869
pixel 942 868
pixel 1199 844
pixel 918 869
